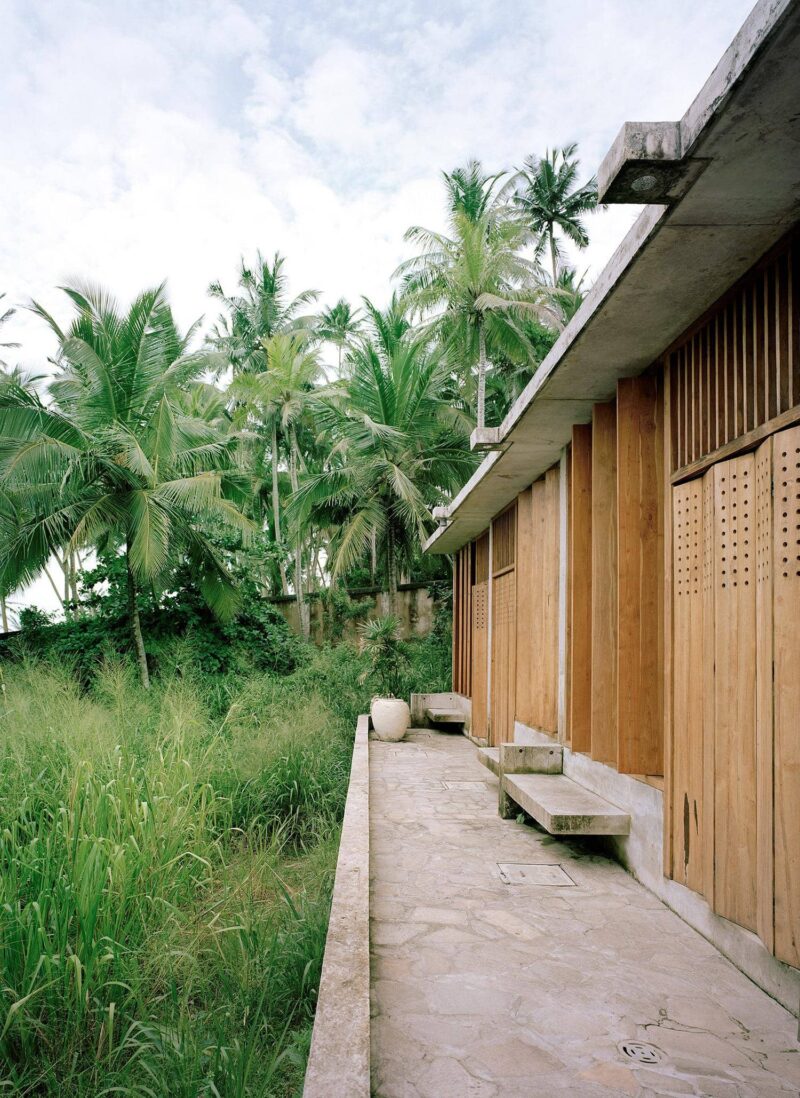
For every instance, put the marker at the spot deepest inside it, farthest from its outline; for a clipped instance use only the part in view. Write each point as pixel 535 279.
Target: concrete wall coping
pixel 339 1060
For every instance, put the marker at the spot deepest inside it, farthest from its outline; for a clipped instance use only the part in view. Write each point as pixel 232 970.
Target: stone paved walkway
pixel 488 989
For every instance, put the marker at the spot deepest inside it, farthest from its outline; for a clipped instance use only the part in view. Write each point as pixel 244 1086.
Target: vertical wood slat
pixel 740 367
pixel 786 640
pixel 735 851
pixel 686 761
pixel 504 668
pixel 550 585
pixel 640 740
pixel 669 436
pixel 580 569
pixel 480 638
pixel 604 583
pixel 707 749
pixel 765 915
pixel 528 543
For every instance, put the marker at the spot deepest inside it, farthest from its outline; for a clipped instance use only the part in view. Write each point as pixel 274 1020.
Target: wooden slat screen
pixel 504 540
pixel 740 367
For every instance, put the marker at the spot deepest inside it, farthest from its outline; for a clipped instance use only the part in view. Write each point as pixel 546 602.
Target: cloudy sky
pixel 164 138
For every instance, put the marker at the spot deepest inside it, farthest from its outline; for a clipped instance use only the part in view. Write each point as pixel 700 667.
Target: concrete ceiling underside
pixel 676 261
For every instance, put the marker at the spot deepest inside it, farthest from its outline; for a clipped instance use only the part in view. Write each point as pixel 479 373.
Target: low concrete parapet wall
pixel 339 1060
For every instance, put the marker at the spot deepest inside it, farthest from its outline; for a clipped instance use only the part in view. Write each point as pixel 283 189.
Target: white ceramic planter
pixel 390 718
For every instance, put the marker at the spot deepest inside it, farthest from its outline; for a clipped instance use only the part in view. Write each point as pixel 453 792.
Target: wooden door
pixel 504 658
pixel 736 690
pixel 688 683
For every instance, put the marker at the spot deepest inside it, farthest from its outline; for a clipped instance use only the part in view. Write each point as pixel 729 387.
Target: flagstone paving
pixel 487 989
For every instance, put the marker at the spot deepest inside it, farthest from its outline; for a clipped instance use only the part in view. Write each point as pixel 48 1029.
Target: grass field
pixel 166 862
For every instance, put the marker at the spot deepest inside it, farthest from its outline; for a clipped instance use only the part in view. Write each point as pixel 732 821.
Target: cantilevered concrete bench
pixel 531 779
pixel 444 716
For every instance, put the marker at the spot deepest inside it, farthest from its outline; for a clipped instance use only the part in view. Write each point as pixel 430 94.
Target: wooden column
pixel 640 746
pixel 604 583
pixel 580 570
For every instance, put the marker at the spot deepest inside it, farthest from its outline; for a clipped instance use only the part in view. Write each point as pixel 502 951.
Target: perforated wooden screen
pixel 740 368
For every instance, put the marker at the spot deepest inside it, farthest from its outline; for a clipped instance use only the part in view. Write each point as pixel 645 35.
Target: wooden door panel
pixel 735 788
pixel 504 664
pixel 688 684
pixel 480 653
pixel 786 699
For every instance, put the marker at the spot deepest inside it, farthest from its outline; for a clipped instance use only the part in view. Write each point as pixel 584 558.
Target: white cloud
pixel 166 140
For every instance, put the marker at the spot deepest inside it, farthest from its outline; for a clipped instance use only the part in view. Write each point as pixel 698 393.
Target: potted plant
pixel 387 663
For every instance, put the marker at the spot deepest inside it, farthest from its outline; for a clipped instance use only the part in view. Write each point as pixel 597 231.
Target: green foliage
pixel 179 635
pixel 386 654
pixel 165 866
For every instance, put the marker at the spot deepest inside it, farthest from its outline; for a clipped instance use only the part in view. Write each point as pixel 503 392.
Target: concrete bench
pixel 560 805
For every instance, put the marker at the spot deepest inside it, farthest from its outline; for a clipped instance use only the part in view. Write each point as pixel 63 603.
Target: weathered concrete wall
pixel 416 608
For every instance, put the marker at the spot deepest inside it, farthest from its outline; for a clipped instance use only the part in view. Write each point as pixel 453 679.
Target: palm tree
pixel 4 318
pixel 281 397
pixel 111 459
pixel 473 193
pixel 475 286
pixel 337 325
pixel 566 297
pixel 549 200
pixel 260 310
pixel 399 448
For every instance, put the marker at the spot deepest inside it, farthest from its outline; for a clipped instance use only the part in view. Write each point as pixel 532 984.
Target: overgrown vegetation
pixel 166 862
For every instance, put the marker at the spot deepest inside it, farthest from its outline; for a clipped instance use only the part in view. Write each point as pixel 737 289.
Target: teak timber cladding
pixel 640 740
pixel 604 583
pixel 537 600
pixel 786 704
pixel 579 691
pixel 739 368
pixel 480 639
pixel 504 628
pixel 735 781
pixel 462 620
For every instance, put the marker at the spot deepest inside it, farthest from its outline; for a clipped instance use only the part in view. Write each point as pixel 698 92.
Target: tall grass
pixel 165 872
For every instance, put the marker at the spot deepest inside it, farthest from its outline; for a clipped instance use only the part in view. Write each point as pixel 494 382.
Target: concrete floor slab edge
pixel 339 1060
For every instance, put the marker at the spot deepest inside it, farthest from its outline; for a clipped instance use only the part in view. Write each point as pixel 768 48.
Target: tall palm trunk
pixel 302 606
pixel 553 255
pixel 276 505
pixel 391 568
pixel 481 376
pixel 4 613
pixel 136 626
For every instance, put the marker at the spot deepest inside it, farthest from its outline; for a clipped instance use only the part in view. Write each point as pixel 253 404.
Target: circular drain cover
pixel 642 1053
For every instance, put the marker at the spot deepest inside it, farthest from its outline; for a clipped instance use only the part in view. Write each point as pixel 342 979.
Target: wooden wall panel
pixel 480 656
pixel 786 635
pixel 640 740
pixel 686 780
pixel 527 578
pixel 579 688
pixel 548 714
pixel 462 621
pixel 604 583
pixel 504 665
pixel 535 684
pixel 735 691
pixel 765 883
